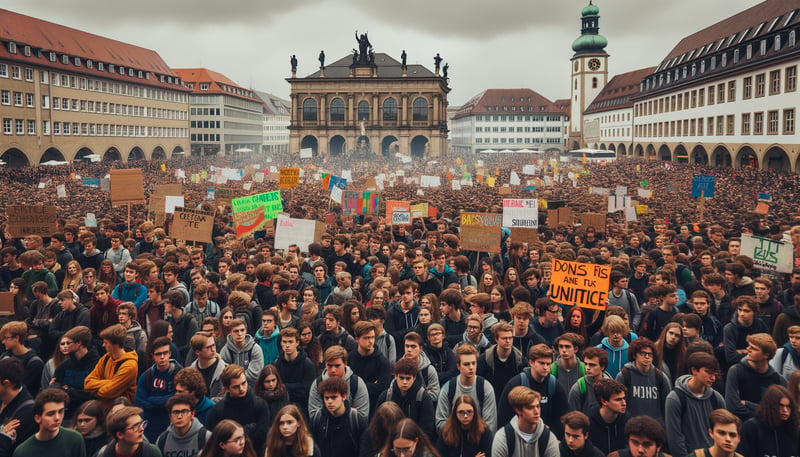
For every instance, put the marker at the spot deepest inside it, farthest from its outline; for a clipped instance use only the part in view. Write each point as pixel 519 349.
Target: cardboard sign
pixel 703 185
pixel 768 255
pixel 289 178
pixel 521 212
pixel 505 190
pixel 559 217
pixel 192 225
pixel 525 235
pixel 251 213
pixel 401 217
pixel 171 202
pixel 127 186
pixel 158 200
pixel 762 208
pixel 32 220
pixel 396 205
pixel 582 284
pixel 301 232
pixel 306 153
pixel 481 232
pixel 6 303
pixel 419 210
pixel 595 220
pixel 224 196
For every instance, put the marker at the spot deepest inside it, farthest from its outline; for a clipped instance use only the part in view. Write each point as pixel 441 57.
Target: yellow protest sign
pixel 582 284
pixel 289 178
pixel 490 181
pixel 641 209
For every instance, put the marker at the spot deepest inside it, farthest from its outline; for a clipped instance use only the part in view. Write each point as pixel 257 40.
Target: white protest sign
pixel 91 220
pixel 61 191
pixel 306 153
pixel 630 214
pixel 347 174
pixel 521 212
pixel 171 202
pixel 529 169
pixel 768 255
pixel 336 194
pixel 247 185
pixel 401 217
pixel 514 180
pixel 621 190
pixel 301 232
pixel 644 193
pixel 42 185
pixel 456 184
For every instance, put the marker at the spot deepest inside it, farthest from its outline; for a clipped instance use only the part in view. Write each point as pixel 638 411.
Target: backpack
pixel 490 357
pixel 511 440
pixel 682 398
pixel 626 380
pixel 581 370
pixel 352 419
pixel 201 439
pixel 551 384
pixel 148 375
pixel 353 385
pixel 451 390
pixel 582 386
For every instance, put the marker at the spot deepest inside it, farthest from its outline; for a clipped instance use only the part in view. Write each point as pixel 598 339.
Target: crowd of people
pixel 395 340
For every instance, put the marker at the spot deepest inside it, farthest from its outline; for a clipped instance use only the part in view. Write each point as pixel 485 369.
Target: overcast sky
pixel 488 44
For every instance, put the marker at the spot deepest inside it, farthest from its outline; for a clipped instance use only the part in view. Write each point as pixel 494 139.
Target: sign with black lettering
pixel 481 232
pixel 32 220
pixel 192 225
pixel 582 284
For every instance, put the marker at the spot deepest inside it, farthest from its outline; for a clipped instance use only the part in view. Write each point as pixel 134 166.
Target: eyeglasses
pixel 646 354
pixel 554 311
pixel 139 425
pixel 180 412
pixel 238 440
pixel 465 413
pixel 473 327
pixel 162 353
pixel 403 450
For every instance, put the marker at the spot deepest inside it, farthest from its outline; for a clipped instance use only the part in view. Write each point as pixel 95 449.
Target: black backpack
pixel 451 390
pixel 201 440
pixel 511 440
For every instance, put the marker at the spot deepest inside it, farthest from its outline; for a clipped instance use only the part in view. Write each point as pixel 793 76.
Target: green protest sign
pixel 251 213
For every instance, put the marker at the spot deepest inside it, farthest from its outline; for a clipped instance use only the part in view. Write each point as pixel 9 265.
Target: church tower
pixel 589 71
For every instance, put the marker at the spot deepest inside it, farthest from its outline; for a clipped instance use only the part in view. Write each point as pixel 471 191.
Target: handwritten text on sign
pixel 521 212
pixel 582 284
pixel 289 178
pixel 193 225
pixel 32 220
pixel 481 232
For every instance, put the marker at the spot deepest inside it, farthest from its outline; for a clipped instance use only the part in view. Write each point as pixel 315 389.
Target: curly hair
pixel 768 411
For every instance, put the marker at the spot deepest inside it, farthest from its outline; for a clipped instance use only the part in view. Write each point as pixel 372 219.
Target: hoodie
pixel 780 333
pixel 617 357
pixel 181 287
pixel 268 344
pixel 112 378
pixel 415 405
pixel 524 343
pixel 454 329
pixel 744 287
pixel 183 446
pixel 607 437
pixel 136 338
pixel 399 322
pixel 297 376
pixel 386 345
pixel 647 394
pixel 72 373
pixel 734 336
pixel 103 315
pixel 45 275
pixel 553 403
pixel 90 259
pixel 759 439
pixel 791 361
pixel 134 292
pixel 589 450
pixel 524 448
pixel 374 369
pixel 153 389
pixel 430 380
pixel 250 356
pixel 359 401
pixel 445 278
pixel 481 345
pixel 443 359
pixel 745 383
pixel 250 411
pixel 215 386
pixel 688 429
pixel 341 338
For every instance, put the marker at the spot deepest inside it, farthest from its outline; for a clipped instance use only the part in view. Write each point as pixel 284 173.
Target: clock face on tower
pixel 594 64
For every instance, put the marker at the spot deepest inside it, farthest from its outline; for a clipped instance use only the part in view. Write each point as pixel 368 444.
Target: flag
pixel 163 167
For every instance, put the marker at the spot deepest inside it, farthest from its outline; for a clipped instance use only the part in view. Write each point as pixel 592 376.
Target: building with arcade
pixel 67 94
pixel 369 103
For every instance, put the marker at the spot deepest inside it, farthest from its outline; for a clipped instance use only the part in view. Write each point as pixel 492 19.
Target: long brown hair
pixel 409 430
pixel 386 415
pixel 451 432
pixel 223 432
pixel 680 349
pixel 111 278
pixel 768 414
pixel 303 443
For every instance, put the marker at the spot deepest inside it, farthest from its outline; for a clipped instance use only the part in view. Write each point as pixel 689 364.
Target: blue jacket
pixel 153 389
pixel 268 345
pixel 135 293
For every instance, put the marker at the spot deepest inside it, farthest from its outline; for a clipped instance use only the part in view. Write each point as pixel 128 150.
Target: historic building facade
pixel 275 134
pixel 67 94
pixel 368 103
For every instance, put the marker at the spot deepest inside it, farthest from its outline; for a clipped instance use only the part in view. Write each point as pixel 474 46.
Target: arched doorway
pixel 336 146
pixel 136 154
pixel 777 159
pixel 419 146
pixel 699 155
pixel 612 148
pixel 721 157
pixel 159 154
pixel 111 155
pixel 747 158
pixel 83 153
pixel 603 146
pixel 177 151
pixel 14 158
pixel 639 150
pixel 651 151
pixel 622 150
pixel 52 154
pixel 681 156
pixel 664 153
pixel 575 145
pixel 310 142
pixel 390 145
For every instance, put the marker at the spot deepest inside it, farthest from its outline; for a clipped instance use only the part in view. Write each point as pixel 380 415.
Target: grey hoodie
pixel 385 344
pixel 215 389
pixel 250 356
pixel 430 380
pixel 646 393
pixel 186 445
pixel 688 430
pixel 524 448
pixel 360 402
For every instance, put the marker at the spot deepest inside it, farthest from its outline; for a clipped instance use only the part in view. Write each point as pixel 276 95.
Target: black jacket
pixel 416 404
pixel 21 407
pixel 375 370
pixel 297 376
pixel 250 411
pixel 589 450
pixel 607 437
pixel 466 448
pixel 759 439
pixel 443 360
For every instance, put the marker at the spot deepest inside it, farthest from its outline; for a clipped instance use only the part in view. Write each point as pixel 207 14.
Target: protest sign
pixel 61 191
pixel 158 200
pixel 644 193
pixel 370 202
pixel 594 220
pixel 224 196
pixel 768 255
pixel 703 185
pixel 306 153
pixel 336 194
pixel 32 220
pixel 504 190
pixel 401 217
pixel 559 217
pixel 529 169
pixel 524 235
pixel 641 209
pixel 481 232
pixel 419 210
pixel 288 178
pixel 251 213
pixel 521 212
pixel 192 225
pixel 396 205
pixel 582 284
pixel 351 203
pixel 105 184
pixel 761 208
pixel 514 179
pixel 91 182
pixel 300 232
pixel 91 220
pixel 347 174
pixel 126 186
pixel 171 202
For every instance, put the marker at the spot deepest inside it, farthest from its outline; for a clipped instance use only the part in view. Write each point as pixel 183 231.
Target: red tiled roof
pixel 524 101
pixel 565 105
pixel 26 30
pixel 617 93
pixel 750 18
pixel 216 81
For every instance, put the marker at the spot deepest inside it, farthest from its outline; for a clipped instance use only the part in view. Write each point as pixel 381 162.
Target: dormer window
pixel 205 86
pixel 89 64
pixel 111 68
pixel 27 51
pixel 77 61
pixel 100 66
pixel 130 72
pixel 65 59
pixel 140 74
pixel 53 56
pixel 12 47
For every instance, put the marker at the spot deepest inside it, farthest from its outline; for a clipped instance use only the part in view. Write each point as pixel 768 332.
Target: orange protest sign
pixel 582 284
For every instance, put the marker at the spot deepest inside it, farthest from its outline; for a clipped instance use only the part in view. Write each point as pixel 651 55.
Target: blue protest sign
pixel 703 185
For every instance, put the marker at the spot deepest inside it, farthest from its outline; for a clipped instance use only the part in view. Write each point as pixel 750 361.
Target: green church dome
pixel 588 43
pixel 590 10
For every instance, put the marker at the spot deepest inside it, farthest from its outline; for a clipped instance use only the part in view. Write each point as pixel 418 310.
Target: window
pixel 694 98
pixel 17 98
pixel 745 123
pixel 700 127
pixel 16 72
pixel 721 93
pixel 747 88
pixel 749 51
pixel 12 47
pixel 732 91
pixel 56 128
pixel 337 110
pixel 44 77
pixel 31 127
pixel 774 82
pixel 420 110
pixel 710 95
pixel 791 78
pixel 29 100
pixel 67 128
pixel 19 126
pixel 760 84
pixel 730 122
pixel 309 109
pixel 701 97
pixel 758 123
pixel 3 70
pixel 390 110
pixel 7 127
pixel 205 86
pixel 792 39
pixel 720 125
pixel 363 110
pixel 6 97
pixel 772 126
pixel 594 83
pixel 46 127
pixel 45 101
pixel 29 74
pixel 788 121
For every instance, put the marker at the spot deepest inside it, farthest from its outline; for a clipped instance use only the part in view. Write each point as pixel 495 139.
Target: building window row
pixel 772 122
pixel 517 118
pixel 527 140
pixel 205 137
pixel 91 106
pixel 96 85
pixel 17 126
pixel 204 124
pixel 204 111
pixel 616 132
pixel 90 129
